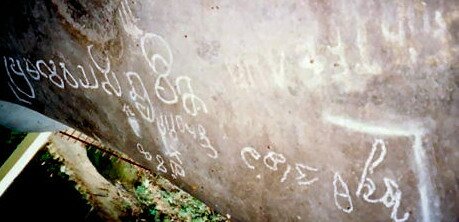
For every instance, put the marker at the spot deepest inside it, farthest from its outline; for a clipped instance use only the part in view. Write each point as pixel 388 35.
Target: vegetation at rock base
pixel 159 199
pixel 156 197
pixel 9 139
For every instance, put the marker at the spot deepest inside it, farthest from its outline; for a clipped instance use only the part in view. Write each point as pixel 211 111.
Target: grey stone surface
pixel 267 110
pixel 23 119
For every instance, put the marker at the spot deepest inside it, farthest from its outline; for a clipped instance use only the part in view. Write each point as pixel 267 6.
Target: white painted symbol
pixel 254 153
pixel 340 190
pixel 141 99
pixel 302 177
pixel 160 167
pixel 191 103
pixel 51 73
pixel 21 95
pixel 68 76
pixel 142 151
pixel 272 159
pixel 86 84
pixel 110 84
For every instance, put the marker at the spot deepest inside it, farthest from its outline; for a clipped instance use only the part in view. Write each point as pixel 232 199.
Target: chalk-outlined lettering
pixel 341 190
pixel 141 99
pixel 275 159
pixel 188 97
pixel 146 154
pixel 160 167
pixel 205 142
pixel 67 75
pixel 254 153
pixel 86 84
pixel 52 73
pixel 302 180
pixel 17 91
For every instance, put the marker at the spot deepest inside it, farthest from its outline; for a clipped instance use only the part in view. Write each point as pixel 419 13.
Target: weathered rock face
pixel 267 110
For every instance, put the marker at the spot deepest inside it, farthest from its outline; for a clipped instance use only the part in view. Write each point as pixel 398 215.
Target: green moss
pixel 160 200
pixel 112 168
pixel 186 207
pixel 9 139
